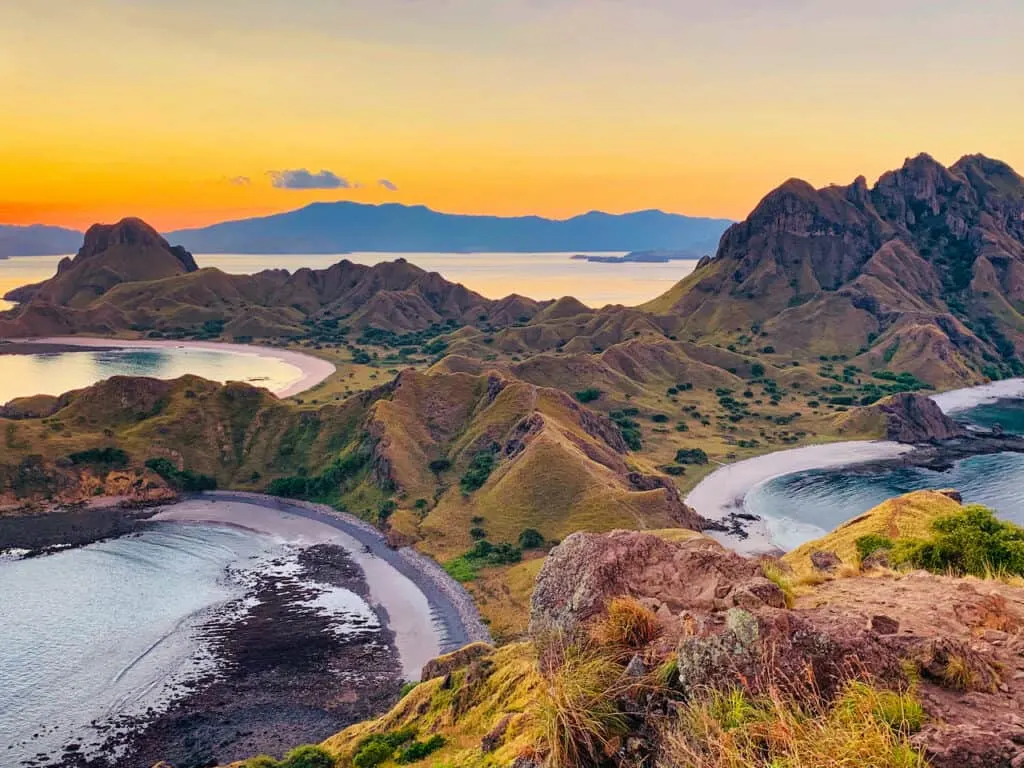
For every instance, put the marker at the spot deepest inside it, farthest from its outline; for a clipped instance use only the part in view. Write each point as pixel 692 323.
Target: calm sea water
pixel 804 506
pixel 59 372
pixel 106 630
pixel 537 275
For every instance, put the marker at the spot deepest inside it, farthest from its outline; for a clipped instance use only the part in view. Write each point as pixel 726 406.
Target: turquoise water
pixel 59 372
pixel 806 505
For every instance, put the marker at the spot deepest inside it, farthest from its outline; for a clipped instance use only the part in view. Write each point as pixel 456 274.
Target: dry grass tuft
pixel 865 726
pixel 627 625
pixel 579 713
pixel 775 574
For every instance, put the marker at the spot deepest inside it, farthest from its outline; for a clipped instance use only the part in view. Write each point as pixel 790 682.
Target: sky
pixel 188 112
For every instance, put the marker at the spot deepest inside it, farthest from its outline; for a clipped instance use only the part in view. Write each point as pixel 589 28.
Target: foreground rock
pixel 730 626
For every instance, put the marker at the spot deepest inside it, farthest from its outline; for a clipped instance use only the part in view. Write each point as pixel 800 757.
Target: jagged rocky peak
pixel 131 232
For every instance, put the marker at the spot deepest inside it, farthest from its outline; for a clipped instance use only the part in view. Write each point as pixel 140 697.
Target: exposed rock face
pixel 729 626
pixel 913 418
pixel 923 273
pixel 583 573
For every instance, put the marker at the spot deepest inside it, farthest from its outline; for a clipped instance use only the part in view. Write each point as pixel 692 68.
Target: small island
pixel 659 256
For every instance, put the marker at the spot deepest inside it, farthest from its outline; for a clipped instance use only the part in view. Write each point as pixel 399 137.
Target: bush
pixel 588 395
pixel 478 471
pixel 418 750
pixel 183 480
pixel 972 542
pixel 104 457
pixel 868 545
pixel 478 533
pixel 437 466
pixel 380 747
pixel 659 418
pixel 757 370
pixel 309 756
pixel 691 456
pixel 531 538
pixel 261 761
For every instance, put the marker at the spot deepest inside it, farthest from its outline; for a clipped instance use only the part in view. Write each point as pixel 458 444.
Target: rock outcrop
pixel 913 418
pixel 583 573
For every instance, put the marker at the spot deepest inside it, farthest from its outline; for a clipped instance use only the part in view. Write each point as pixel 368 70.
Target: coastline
pixel 440 604
pixel 956 400
pixel 721 496
pixel 312 370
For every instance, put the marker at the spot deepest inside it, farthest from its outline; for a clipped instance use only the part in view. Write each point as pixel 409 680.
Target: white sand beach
pixel 969 397
pixel 310 370
pixel 418 632
pixel 724 491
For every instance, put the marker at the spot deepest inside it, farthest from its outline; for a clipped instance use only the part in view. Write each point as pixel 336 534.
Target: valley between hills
pixel 505 438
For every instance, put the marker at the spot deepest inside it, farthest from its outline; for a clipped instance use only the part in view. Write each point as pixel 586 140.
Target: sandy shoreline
pixel 311 370
pixel 969 397
pixel 722 494
pixel 428 612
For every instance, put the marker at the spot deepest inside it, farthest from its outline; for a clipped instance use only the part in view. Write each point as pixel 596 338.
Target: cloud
pixel 390 186
pixel 240 181
pixel 300 178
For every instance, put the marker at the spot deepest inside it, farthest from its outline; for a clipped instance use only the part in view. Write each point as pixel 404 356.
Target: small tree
pixel 531 538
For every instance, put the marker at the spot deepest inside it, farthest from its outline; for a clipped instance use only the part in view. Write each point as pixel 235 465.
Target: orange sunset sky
pixel 194 111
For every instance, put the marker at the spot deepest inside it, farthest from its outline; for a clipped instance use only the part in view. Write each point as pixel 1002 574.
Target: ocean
pixel 804 506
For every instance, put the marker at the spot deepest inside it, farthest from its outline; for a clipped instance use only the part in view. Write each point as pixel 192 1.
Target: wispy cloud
pixel 240 181
pixel 390 186
pixel 300 178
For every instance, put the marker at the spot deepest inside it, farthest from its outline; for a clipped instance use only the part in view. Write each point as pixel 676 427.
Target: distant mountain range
pixel 37 240
pixel 345 227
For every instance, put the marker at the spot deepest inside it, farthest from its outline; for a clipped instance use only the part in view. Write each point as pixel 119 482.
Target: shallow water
pixel 537 275
pixel 804 506
pixel 107 629
pixel 59 372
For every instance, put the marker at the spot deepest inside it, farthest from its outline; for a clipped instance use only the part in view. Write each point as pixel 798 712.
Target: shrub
pixel 183 480
pixel 309 756
pixel 478 533
pixel 659 418
pixel 437 466
pixel 105 457
pixel 971 542
pixel 261 761
pixel 691 456
pixel 588 395
pixel 478 471
pixel 418 750
pixel 757 370
pixel 380 747
pixel 531 538
pixel 871 543
pixel 626 623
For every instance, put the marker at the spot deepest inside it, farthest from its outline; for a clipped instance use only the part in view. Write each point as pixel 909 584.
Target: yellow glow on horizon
pixel 116 108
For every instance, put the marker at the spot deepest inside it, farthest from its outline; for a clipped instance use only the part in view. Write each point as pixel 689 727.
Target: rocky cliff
pixel 924 271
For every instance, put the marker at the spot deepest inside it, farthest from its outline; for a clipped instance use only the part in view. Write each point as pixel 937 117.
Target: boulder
pixel 913 418
pixel 583 573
